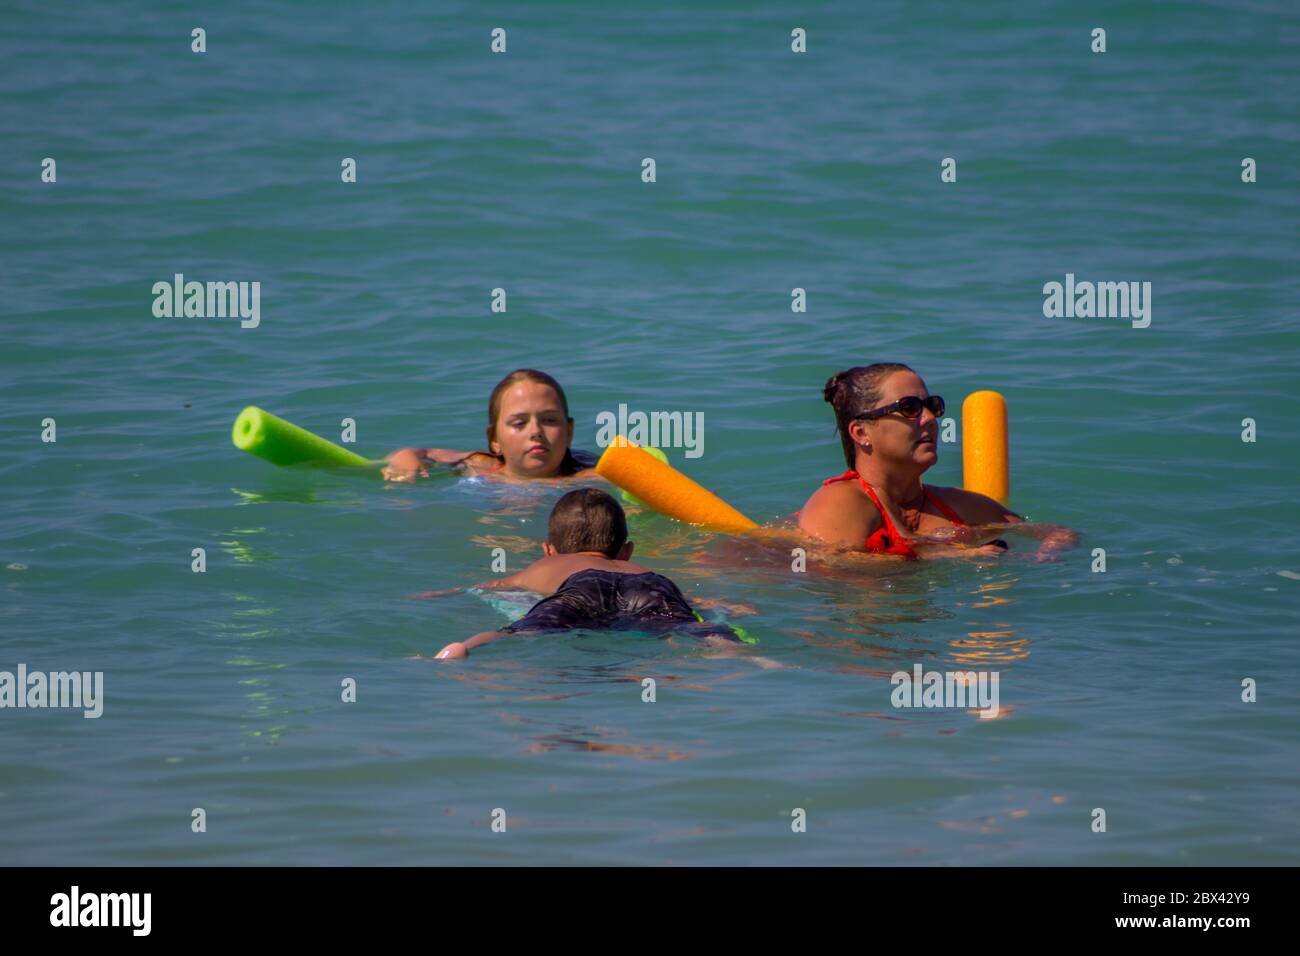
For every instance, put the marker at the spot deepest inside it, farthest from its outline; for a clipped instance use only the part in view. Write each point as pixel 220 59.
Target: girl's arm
pixel 407 464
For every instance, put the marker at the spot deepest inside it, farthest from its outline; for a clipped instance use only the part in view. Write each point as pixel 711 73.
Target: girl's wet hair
pixel 569 465
pixel 856 391
pixel 587 520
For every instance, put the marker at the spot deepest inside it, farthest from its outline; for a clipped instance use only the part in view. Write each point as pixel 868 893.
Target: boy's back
pixel 619 595
pixel 589 581
pixel 545 575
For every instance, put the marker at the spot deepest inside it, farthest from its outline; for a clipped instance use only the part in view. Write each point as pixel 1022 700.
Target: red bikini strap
pixel 884 515
pixel 844 477
pixel 947 512
pixel 886 525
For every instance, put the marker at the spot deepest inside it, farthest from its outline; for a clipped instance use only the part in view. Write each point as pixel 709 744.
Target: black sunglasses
pixel 910 406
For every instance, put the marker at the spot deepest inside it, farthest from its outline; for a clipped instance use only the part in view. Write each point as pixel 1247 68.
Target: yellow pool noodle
pixel 658 453
pixel 985 462
pixel 666 490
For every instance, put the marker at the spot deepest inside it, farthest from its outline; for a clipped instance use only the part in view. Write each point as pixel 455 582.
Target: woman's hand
pixel 943 549
pixel 406 464
pixel 1056 540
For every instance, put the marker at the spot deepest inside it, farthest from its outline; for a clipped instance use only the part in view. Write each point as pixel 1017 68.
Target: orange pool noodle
pixel 984 456
pixel 666 490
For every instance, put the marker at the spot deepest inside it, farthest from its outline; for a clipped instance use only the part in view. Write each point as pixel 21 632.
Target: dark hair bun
pixel 832 387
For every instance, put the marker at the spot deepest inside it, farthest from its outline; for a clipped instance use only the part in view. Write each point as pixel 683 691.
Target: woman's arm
pixel 1053 537
pixel 977 509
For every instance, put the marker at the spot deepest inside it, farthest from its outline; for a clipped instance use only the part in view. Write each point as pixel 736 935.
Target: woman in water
pixel 888 424
pixel 528 435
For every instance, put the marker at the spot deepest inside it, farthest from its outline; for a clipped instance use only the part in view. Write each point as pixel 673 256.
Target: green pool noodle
pixel 267 436
pixel 654 453
pixel 740 632
pixel 743 634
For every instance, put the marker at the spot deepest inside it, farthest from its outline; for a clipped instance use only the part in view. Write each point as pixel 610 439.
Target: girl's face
pixel 894 438
pixel 532 432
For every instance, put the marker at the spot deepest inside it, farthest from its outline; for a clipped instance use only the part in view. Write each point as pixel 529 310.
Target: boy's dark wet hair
pixel 587 520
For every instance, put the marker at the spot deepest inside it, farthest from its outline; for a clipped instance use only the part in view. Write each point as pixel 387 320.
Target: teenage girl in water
pixel 529 430
pixel 888 425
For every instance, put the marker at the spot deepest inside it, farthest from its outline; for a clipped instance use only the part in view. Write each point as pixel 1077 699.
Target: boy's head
pixel 588 520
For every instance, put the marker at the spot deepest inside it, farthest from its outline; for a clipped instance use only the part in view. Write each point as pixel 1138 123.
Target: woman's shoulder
pixel 837 492
pixel 840 512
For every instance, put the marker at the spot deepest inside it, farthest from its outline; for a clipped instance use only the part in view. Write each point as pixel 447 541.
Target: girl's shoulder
pixel 583 460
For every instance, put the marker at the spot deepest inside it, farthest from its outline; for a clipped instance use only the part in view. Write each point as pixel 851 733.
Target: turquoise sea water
pixel 1120 690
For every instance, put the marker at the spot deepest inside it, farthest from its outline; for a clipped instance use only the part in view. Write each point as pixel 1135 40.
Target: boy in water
pixel 590 582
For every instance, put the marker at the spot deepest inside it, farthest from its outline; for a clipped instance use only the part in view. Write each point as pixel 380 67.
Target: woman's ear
pixel 548 549
pixel 492 442
pixel 625 552
pixel 860 434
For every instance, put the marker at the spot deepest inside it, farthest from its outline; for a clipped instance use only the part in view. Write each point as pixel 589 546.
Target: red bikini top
pixel 886 539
